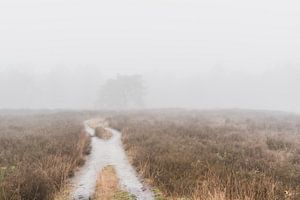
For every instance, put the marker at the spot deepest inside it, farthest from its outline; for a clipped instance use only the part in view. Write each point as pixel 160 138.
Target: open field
pixel 220 155
pixel 39 152
pixel 202 155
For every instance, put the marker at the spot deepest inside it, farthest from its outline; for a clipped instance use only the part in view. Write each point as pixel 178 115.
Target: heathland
pixel 201 155
pixel 39 151
pixel 218 155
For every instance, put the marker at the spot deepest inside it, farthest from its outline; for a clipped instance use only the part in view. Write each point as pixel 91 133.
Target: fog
pixel 190 54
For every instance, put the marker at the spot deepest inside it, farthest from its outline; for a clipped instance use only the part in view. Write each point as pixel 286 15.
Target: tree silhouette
pixel 122 92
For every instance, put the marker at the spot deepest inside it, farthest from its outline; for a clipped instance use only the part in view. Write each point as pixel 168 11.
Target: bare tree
pixel 122 92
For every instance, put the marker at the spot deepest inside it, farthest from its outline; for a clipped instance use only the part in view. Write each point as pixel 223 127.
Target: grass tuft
pixel 102 133
pixel 108 186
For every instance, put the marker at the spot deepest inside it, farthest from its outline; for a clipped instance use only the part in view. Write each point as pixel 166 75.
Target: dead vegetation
pixel 97 122
pixel 102 133
pixel 108 186
pixel 215 155
pixel 38 153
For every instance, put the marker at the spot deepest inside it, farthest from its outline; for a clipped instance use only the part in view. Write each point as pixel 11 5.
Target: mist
pixel 190 54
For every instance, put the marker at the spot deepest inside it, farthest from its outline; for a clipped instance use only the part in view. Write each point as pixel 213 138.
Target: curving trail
pixel 107 152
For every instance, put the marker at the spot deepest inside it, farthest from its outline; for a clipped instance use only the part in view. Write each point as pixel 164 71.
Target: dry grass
pixel 108 186
pixel 215 155
pixel 38 153
pixel 97 122
pixel 102 133
pixel 64 193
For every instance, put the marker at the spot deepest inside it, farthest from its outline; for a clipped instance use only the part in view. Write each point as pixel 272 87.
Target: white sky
pixel 192 53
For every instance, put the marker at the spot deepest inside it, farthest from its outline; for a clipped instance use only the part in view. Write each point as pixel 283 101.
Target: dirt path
pixel 107 152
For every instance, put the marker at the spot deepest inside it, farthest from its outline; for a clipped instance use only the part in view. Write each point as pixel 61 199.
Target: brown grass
pixel 102 133
pixel 64 193
pixel 108 186
pixel 96 122
pixel 38 153
pixel 220 155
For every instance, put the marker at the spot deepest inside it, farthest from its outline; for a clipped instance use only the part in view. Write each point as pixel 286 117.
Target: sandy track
pixel 107 152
